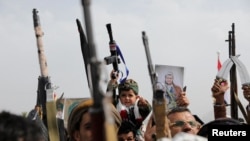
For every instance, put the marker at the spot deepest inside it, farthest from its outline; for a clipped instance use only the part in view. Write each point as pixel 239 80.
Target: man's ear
pixel 76 135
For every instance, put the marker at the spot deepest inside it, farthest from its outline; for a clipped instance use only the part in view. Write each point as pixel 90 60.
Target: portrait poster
pixel 172 80
pixel 178 72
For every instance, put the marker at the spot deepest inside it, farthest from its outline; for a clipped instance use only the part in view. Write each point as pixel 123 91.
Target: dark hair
pixel 13 127
pixel 220 121
pixel 75 117
pixel 126 127
pixel 178 109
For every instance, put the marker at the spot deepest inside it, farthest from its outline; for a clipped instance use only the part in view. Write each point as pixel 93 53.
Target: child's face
pixel 128 98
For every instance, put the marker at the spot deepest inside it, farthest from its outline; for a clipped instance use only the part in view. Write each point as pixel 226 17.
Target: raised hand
pixel 182 100
pixel 218 90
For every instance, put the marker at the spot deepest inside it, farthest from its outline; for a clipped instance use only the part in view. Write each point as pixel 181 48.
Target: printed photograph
pixel 172 80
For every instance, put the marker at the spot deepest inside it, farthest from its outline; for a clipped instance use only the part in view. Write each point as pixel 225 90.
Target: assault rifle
pixel 113 58
pixel 159 101
pixel 43 80
pixel 45 105
pixel 233 74
pixel 101 122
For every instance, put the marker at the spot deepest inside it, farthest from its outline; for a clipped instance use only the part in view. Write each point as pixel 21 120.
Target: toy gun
pixel 102 125
pixel 45 105
pixel 159 101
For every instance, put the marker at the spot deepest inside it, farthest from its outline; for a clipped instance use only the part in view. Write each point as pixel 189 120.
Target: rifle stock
pixel 45 92
pixel 43 80
pixel 101 127
pixel 159 101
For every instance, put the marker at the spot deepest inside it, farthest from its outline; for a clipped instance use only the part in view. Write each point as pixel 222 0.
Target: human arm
pixel 144 107
pixel 218 91
pixel 112 86
pixel 149 134
pixel 246 93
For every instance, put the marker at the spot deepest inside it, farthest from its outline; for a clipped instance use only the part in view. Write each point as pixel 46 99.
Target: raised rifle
pixel 112 59
pixel 233 74
pixel 102 125
pixel 85 50
pixel 45 92
pixel 159 101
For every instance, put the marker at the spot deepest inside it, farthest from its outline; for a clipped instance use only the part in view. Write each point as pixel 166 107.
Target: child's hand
pixel 114 76
pixel 142 102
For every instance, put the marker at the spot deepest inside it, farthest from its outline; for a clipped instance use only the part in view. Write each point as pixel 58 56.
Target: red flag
pixel 219 65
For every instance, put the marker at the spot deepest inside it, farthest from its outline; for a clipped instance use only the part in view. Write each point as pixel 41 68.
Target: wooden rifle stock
pixel 44 80
pixel 159 101
pixel 45 93
pixel 102 129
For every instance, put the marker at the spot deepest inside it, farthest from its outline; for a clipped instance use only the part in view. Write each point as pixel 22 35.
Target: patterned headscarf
pixel 127 85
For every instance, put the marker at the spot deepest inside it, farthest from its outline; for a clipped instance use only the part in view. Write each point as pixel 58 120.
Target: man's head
pixel 79 122
pixel 128 92
pixel 182 120
pixel 204 131
pixel 17 128
pixel 169 77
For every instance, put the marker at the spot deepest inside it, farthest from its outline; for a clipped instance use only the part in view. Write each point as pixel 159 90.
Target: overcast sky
pixel 185 33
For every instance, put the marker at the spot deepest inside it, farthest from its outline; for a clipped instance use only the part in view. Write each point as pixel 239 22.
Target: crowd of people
pixel 128 110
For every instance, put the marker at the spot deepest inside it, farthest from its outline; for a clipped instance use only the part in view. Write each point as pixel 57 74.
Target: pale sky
pixel 185 33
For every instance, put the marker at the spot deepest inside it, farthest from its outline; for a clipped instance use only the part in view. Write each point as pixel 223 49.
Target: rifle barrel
pixel 159 101
pixel 97 112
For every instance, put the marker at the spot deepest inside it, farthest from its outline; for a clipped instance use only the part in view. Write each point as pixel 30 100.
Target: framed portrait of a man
pixel 172 80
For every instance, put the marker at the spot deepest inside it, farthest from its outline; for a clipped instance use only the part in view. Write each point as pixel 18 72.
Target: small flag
pixel 219 65
pixel 227 94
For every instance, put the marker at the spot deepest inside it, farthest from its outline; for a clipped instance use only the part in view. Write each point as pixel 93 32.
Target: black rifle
pixel 233 74
pixel 159 101
pixel 84 49
pixel 102 128
pixel 113 58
